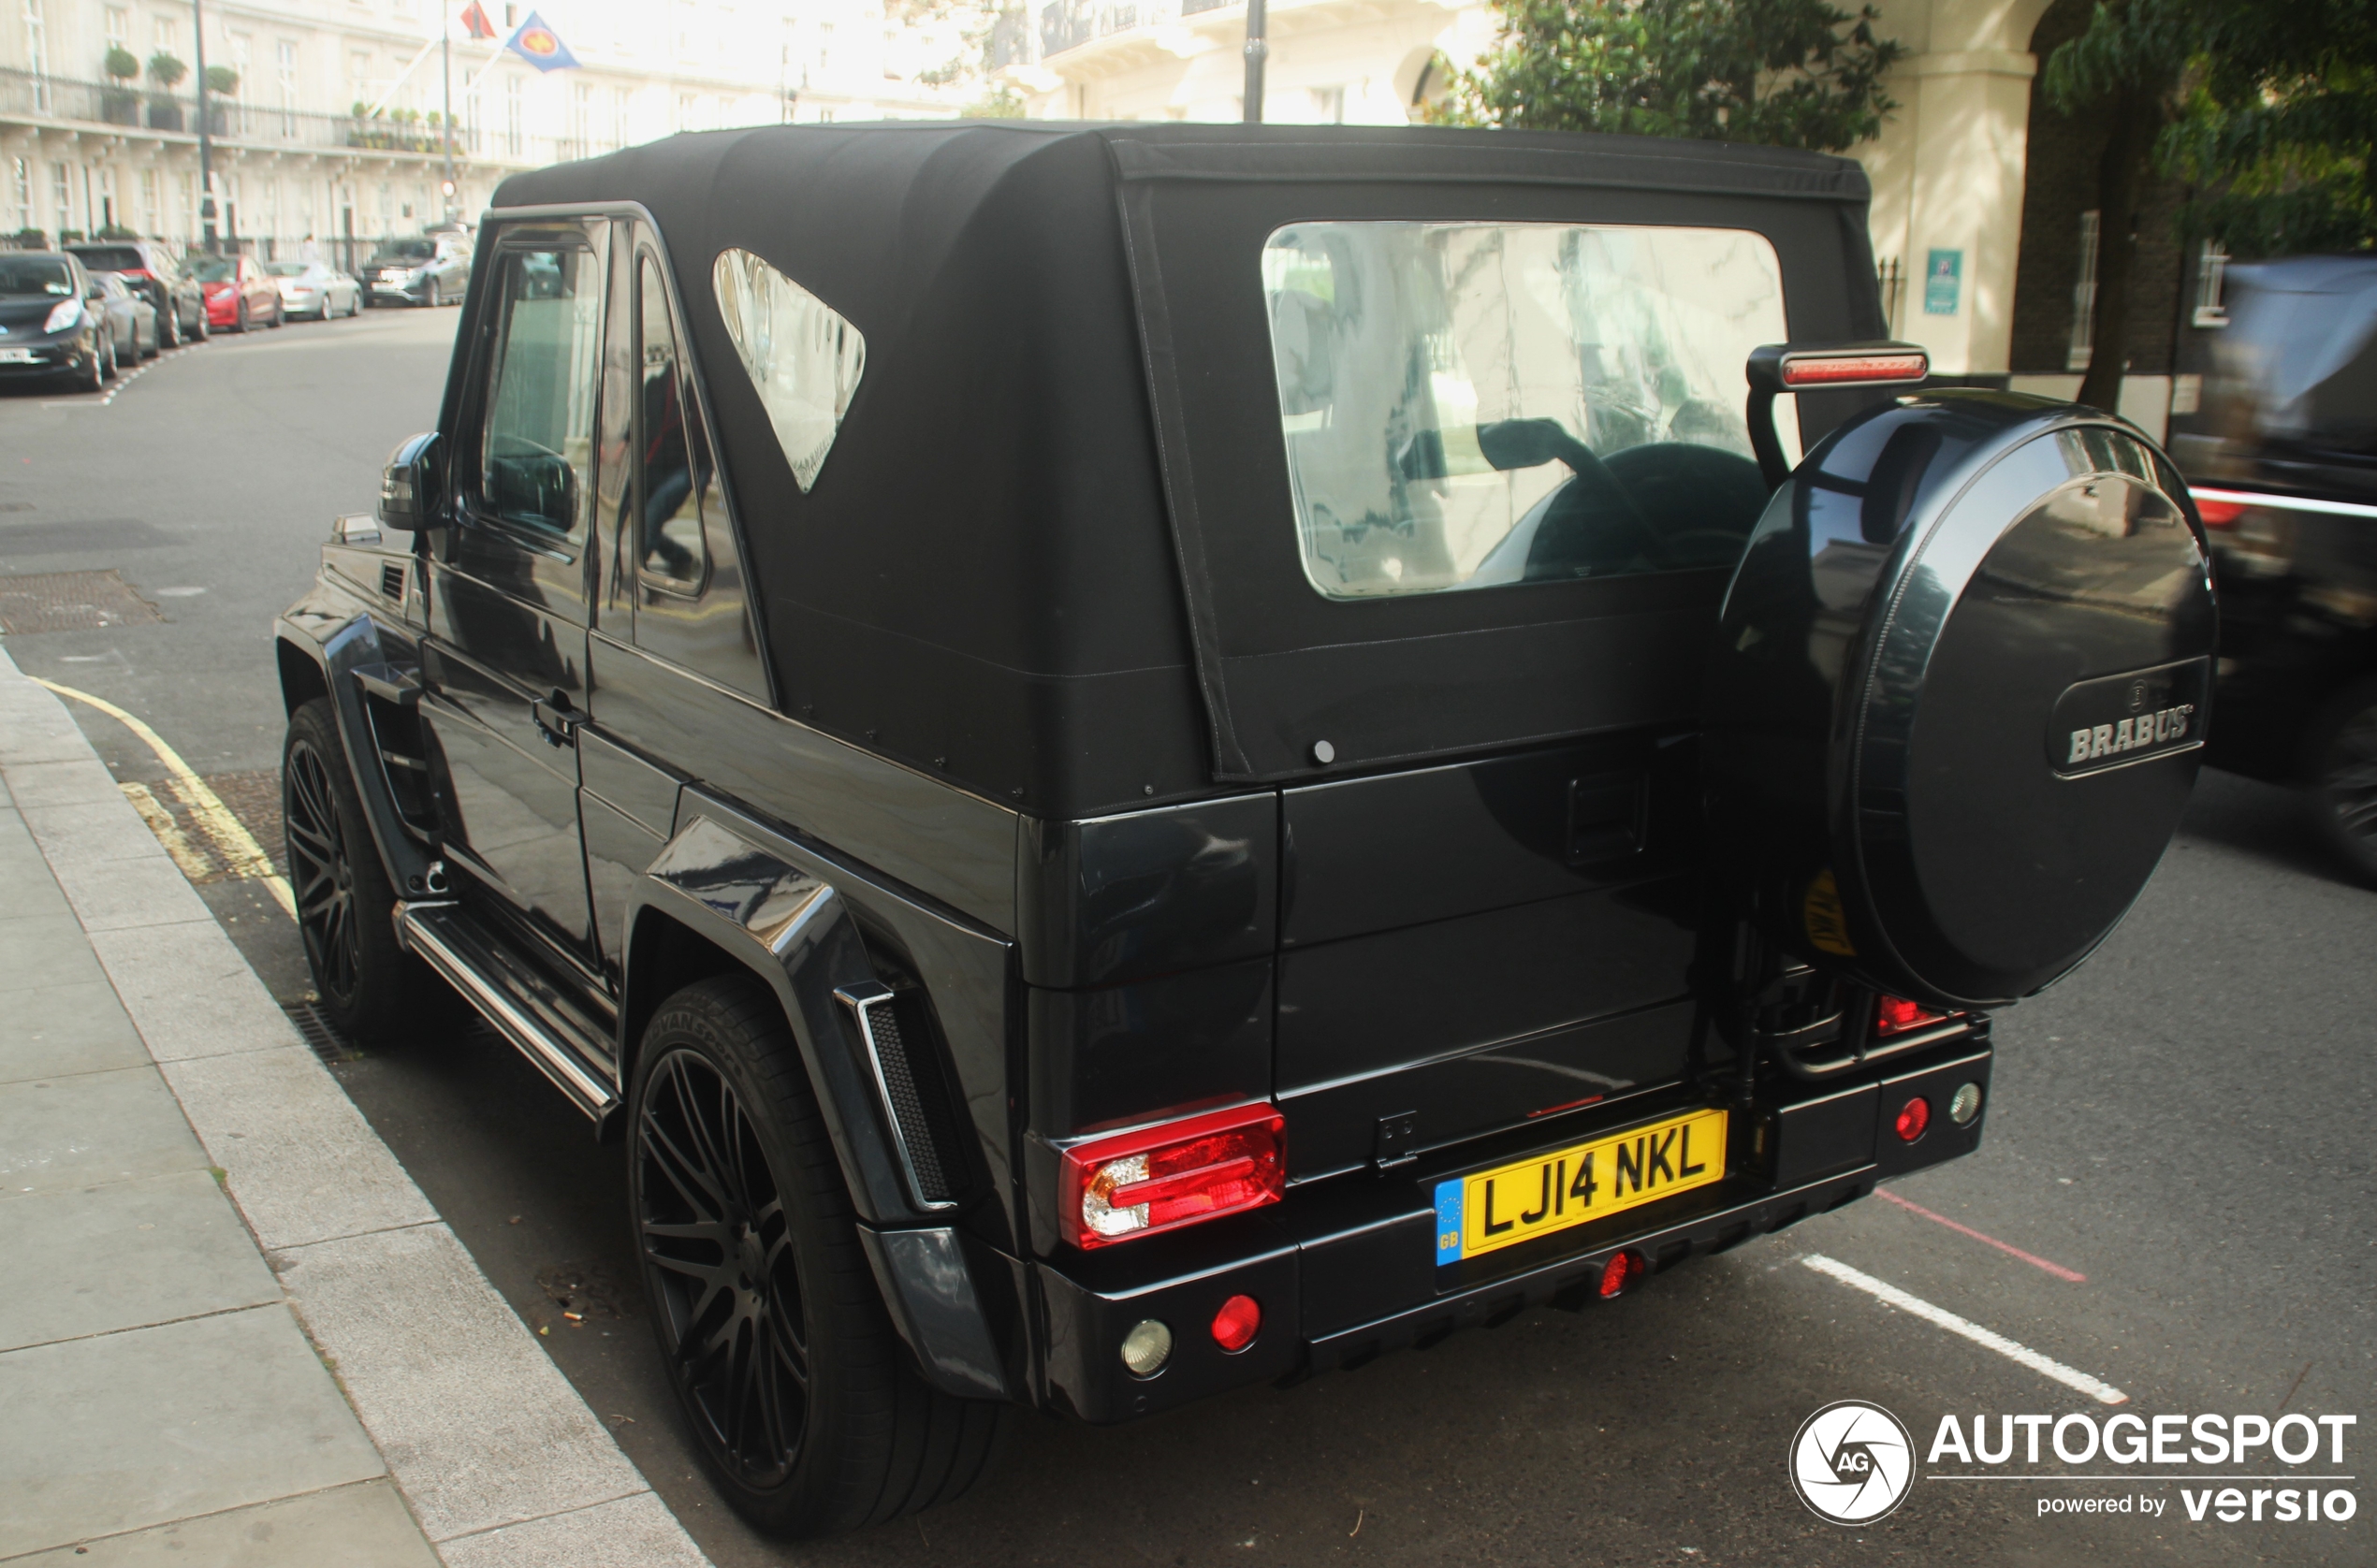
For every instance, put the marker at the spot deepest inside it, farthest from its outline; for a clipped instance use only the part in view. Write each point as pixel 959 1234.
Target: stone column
pixel 1948 173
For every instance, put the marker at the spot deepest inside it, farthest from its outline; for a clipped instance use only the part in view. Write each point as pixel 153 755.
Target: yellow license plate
pixel 1612 1173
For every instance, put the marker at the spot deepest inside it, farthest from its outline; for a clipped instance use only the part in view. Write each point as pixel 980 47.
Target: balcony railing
pixel 1021 37
pixel 25 96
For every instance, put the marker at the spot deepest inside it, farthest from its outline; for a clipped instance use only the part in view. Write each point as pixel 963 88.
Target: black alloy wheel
pixel 719 1247
pixel 2342 764
pixel 803 1400
pixel 321 872
pixel 370 989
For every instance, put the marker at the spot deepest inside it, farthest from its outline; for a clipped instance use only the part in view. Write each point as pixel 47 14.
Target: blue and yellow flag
pixel 540 45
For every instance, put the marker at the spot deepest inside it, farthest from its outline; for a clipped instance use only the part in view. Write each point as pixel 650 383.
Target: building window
pixel 2084 297
pixel 149 214
pixel 285 80
pixel 36 54
pixel 2212 273
pixel 581 121
pixel 685 111
pixel 165 33
pixel 21 191
pixel 513 142
pixel 62 196
pixel 119 25
pixel 359 79
pixel 619 118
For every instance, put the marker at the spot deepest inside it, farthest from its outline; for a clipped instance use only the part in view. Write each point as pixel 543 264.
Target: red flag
pixel 474 21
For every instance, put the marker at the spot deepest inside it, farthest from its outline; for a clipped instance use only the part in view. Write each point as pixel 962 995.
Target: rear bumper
pixel 49 359
pixel 1345 1268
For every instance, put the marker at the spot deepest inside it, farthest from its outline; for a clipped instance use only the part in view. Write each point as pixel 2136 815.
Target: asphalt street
pixel 2175 1197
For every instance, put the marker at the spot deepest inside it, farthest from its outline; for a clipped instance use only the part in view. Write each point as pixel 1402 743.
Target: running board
pixel 524 1006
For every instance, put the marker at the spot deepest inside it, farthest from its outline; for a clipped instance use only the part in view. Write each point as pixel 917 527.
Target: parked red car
pixel 238 291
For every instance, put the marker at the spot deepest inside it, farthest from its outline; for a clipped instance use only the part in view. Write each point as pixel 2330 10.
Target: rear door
pixel 504 663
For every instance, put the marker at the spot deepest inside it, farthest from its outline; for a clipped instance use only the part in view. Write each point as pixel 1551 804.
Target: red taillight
pixel 1161 1178
pixel 1236 1323
pixel 2219 513
pixel 1897 1015
pixel 1852 369
pixel 1912 1117
pixel 1621 1271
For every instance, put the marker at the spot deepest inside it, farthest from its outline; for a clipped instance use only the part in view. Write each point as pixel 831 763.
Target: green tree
pixel 2278 127
pixel 2134 57
pixel 166 69
pixel 121 64
pixel 222 80
pixel 1787 73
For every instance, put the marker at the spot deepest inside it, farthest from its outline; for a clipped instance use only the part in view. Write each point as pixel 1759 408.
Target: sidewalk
pixel 233 1331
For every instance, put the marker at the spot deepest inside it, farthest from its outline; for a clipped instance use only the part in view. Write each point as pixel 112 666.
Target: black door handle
pixel 555 720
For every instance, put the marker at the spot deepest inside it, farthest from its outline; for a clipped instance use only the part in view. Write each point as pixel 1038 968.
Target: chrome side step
pixel 524 1006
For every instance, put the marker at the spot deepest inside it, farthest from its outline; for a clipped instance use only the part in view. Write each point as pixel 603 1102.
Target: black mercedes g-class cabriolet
pixel 1131 760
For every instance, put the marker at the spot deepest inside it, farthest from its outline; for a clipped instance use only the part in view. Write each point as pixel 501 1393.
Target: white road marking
pixel 2105 1393
pixel 122 379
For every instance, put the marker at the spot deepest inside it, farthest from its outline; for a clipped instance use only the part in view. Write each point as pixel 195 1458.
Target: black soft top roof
pixel 1005 574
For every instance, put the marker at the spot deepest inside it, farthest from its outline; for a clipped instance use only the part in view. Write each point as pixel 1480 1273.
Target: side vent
pixel 899 1050
pixel 392 582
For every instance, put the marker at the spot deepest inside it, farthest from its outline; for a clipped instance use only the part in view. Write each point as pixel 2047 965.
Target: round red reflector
pixel 1619 1272
pixel 1236 1323
pixel 1912 1117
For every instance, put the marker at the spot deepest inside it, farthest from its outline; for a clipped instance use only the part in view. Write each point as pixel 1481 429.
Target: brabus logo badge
pixel 2131 717
pixel 1852 1462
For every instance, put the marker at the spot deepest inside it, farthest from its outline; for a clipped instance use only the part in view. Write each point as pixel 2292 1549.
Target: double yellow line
pixel 233 845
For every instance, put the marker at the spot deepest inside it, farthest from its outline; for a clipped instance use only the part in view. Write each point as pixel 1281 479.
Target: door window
pixel 536 455
pixel 671 553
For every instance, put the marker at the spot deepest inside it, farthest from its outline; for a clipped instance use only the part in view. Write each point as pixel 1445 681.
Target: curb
pixel 504 1465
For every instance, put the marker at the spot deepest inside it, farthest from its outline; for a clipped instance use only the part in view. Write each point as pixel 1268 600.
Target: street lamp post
pixel 206 136
pixel 1258 46
pixel 445 62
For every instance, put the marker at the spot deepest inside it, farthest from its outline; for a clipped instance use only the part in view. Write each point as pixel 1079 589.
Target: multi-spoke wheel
pixel 371 988
pixel 715 1236
pixel 2342 768
pixel 800 1394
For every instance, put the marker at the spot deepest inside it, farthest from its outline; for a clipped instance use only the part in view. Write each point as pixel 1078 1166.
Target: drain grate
pixel 319 1034
pixel 71 602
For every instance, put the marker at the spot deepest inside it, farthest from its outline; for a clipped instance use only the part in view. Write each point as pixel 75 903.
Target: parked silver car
pixel 132 320
pixel 315 289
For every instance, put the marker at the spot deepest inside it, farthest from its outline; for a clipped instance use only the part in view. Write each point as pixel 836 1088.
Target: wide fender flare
pixel 356 646
pixel 761 898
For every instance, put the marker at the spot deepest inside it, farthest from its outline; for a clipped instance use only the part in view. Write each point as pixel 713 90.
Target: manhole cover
pixel 71 602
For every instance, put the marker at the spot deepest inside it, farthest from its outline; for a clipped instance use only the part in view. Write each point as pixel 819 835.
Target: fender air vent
pixel 392 583
pixel 899 1047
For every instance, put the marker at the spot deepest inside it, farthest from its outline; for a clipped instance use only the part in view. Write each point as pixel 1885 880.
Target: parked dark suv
pixel 2283 454
pixel 157 273
pixel 1137 759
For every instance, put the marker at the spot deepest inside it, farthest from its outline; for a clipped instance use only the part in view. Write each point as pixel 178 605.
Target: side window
pixel 672 556
pixel 536 451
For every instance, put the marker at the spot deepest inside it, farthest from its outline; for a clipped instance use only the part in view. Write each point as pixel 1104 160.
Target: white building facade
pixel 337 128
pixel 1947 169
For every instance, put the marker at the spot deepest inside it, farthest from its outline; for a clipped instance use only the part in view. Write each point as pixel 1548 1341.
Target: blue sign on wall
pixel 1943 282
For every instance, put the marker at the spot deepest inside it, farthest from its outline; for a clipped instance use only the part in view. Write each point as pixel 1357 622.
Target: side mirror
pixel 409 488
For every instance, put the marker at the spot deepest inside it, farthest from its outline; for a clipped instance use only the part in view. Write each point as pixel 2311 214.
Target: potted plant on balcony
pixel 224 82
pixel 119 104
pixel 167 71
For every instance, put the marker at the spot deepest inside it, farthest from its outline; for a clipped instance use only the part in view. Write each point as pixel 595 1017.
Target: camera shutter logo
pixel 1852 1462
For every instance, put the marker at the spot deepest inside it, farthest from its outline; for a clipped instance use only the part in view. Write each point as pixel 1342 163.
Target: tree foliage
pixel 2279 124
pixel 1786 73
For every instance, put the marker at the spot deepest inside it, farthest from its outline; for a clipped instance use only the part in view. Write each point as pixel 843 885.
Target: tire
pixel 169 329
pixel 279 315
pixel 107 362
pixel 370 989
pixel 205 328
pixel 240 323
pixel 829 1427
pixel 92 378
pixel 2340 770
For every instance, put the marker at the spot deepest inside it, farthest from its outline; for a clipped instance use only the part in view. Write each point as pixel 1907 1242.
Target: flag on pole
pixel 540 45
pixel 474 22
